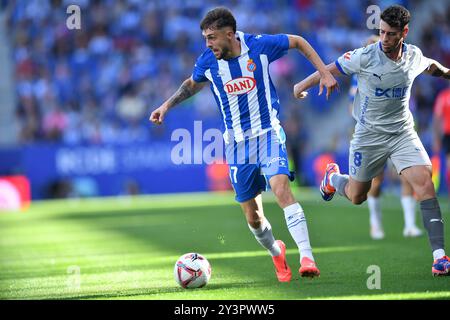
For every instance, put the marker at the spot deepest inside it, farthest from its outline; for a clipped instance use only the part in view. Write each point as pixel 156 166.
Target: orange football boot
pixel 308 268
pixel 282 269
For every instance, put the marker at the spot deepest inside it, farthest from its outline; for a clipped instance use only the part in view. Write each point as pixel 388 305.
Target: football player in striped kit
pixel 236 66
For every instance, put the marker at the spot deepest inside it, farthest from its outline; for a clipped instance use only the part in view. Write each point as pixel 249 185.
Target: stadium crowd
pixel 98 84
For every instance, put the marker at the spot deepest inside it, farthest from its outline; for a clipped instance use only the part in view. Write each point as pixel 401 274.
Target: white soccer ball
pixel 192 270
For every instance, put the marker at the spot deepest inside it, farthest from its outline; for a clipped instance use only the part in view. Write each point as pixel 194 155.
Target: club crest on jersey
pixel 348 54
pixel 251 66
pixel 240 85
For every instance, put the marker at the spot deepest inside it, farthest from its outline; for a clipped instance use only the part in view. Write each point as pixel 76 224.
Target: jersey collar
pixel 244 47
pixel 404 47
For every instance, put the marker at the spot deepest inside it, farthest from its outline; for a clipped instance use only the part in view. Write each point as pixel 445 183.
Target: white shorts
pixel 369 153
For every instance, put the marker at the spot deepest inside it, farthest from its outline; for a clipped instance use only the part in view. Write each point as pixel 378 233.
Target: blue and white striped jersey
pixel 242 86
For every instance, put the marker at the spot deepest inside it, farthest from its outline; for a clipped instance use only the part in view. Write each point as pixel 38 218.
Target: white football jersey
pixel 381 104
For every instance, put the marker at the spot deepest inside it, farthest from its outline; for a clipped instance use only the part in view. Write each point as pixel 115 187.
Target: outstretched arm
pixel 187 89
pixel 438 70
pixel 300 89
pixel 325 79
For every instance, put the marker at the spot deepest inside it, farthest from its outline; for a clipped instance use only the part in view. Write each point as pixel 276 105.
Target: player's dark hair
pixel 218 18
pixel 396 16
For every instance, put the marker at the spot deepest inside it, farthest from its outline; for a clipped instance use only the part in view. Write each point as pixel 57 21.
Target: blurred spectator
pixel 131 107
pixel 84 187
pixel 441 122
pixel 99 84
pixel 296 142
pixel 60 189
pixel 131 187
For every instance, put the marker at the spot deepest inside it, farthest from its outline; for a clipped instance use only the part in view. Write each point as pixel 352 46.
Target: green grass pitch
pixel 126 248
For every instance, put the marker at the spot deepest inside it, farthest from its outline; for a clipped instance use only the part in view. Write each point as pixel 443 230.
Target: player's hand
pixel 302 95
pixel 299 93
pixel 329 82
pixel 157 116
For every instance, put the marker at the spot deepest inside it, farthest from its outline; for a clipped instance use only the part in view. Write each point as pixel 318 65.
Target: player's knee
pixel 425 190
pixel 283 195
pixel 279 190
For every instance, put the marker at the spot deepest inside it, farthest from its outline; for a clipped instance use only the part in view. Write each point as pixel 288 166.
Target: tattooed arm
pixel 438 70
pixel 187 89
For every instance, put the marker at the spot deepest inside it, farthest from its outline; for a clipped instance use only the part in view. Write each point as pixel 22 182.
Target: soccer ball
pixel 192 270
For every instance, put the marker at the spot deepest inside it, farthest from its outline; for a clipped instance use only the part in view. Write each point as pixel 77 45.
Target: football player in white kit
pixel 373 196
pixel 385 126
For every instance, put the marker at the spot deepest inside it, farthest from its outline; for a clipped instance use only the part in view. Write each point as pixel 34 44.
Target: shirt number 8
pixel 357 159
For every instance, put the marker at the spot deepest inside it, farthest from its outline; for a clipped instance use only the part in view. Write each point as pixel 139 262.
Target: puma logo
pixel 378 76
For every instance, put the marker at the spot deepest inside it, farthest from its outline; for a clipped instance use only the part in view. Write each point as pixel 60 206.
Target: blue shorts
pixel 254 161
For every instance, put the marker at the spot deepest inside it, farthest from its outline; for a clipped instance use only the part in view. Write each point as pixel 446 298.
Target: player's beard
pixel 224 53
pixel 392 48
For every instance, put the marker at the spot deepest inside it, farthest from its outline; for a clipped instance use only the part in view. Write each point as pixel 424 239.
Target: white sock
pixel 296 223
pixel 438 254
pixel 331 181
pixel 409 211
pixel 265 237
pixel 339 182
pixel 375 212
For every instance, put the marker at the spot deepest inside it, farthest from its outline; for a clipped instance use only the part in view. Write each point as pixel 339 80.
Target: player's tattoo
pixel 184 91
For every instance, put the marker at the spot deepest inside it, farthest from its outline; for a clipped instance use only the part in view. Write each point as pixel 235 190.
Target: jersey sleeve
pixel 350 62
pixel 421 63
pixel 275 46
pixel 200 68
